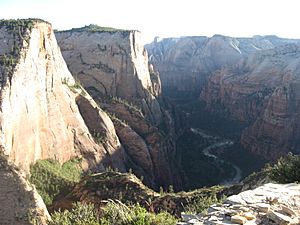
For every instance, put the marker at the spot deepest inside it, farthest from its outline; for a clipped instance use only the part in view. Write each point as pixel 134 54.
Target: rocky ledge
pixel 269 204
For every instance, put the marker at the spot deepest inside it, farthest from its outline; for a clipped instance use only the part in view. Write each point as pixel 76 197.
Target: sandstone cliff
pixel 44 113
pixel 262 91
pixel 113 67
pixel 20 202
pixel 185 63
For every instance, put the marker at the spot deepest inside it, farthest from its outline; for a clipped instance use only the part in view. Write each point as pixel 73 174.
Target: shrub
pixel 114 213
pixel 51 178
pixel 286 170
pixel 81 214
pixel 201 204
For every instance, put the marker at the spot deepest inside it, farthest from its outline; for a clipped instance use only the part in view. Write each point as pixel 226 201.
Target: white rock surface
pixel 270 204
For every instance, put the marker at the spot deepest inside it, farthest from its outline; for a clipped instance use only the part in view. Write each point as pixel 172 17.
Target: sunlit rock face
pixel 43 112
pixel 113 67
pixel 114 63
pixel 186 63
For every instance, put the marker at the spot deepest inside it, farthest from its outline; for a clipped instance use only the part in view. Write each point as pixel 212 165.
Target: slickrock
pixel 44 112
pixel 264 211
pixel 20 204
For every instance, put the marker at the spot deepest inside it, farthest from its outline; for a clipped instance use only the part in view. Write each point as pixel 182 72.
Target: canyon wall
pixel 252 80
pixel 113 66
pixel 186 63
pixel 43 112
pixel 262 91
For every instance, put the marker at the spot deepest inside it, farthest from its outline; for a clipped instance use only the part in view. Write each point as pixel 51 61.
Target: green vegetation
pixel 74 87
pixel 286 170
pixel 20 34
pixel 114 213
pixel 201 204
pixel 51 178
pixel 130 106
pixel 99 29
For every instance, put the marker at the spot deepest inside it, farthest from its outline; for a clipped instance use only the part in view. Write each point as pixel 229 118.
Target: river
pixel 218 142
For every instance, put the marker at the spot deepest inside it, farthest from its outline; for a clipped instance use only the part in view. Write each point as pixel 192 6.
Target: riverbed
pixel 216 143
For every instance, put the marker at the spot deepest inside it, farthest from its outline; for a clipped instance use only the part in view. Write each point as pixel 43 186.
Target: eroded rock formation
pixel 252 80
pixel 44 112
pixel 185 63
pixel 113 67
pixel 262 91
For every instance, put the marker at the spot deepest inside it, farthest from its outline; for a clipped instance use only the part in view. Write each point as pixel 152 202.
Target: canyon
pixel 94 94
pixel 250 80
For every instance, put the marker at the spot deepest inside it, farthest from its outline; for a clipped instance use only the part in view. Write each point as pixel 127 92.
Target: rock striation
pixel 44 113
pixel 270 204
pixel 263 92
pixel 186 63
pixel 113 67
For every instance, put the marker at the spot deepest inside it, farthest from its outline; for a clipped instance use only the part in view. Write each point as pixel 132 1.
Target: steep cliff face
pixel 114 63
pixel 185 63
pixel 262 91
pixel 113 66
pixel 43 112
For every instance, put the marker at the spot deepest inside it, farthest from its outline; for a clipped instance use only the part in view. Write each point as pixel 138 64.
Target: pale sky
pixel 165 18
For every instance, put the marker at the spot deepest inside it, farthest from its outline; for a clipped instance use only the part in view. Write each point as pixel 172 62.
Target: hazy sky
pixel 166 17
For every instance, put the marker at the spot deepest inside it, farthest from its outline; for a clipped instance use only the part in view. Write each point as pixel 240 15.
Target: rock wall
pixel 40 115
pixel 20 202
pixel 113 67
pixel 114 63
pixel 186 63
pixel 262 91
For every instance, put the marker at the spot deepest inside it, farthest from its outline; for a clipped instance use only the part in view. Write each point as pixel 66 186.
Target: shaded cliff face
pixel 20 202
pixel 113 67
pixel 44 113
pixel 264 92
pixel 186 63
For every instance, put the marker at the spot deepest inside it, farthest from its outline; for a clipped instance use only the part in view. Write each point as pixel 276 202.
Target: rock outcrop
pixel 185 63
pixel 44 113
pixel 262 91
pixel 113 67
pixel 20 202
pixel 113 63
pixel 270 204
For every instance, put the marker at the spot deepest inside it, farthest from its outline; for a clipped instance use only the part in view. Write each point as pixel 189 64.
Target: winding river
pixel 218 142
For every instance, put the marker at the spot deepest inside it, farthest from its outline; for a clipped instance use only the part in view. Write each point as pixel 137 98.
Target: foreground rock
pixel 19 200
pixel 270 204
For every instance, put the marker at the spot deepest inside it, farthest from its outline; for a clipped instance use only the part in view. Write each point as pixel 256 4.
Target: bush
pixel 81 214
pixel 201 204
pixel 51 178
pixel 114 213
pixel 286 170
